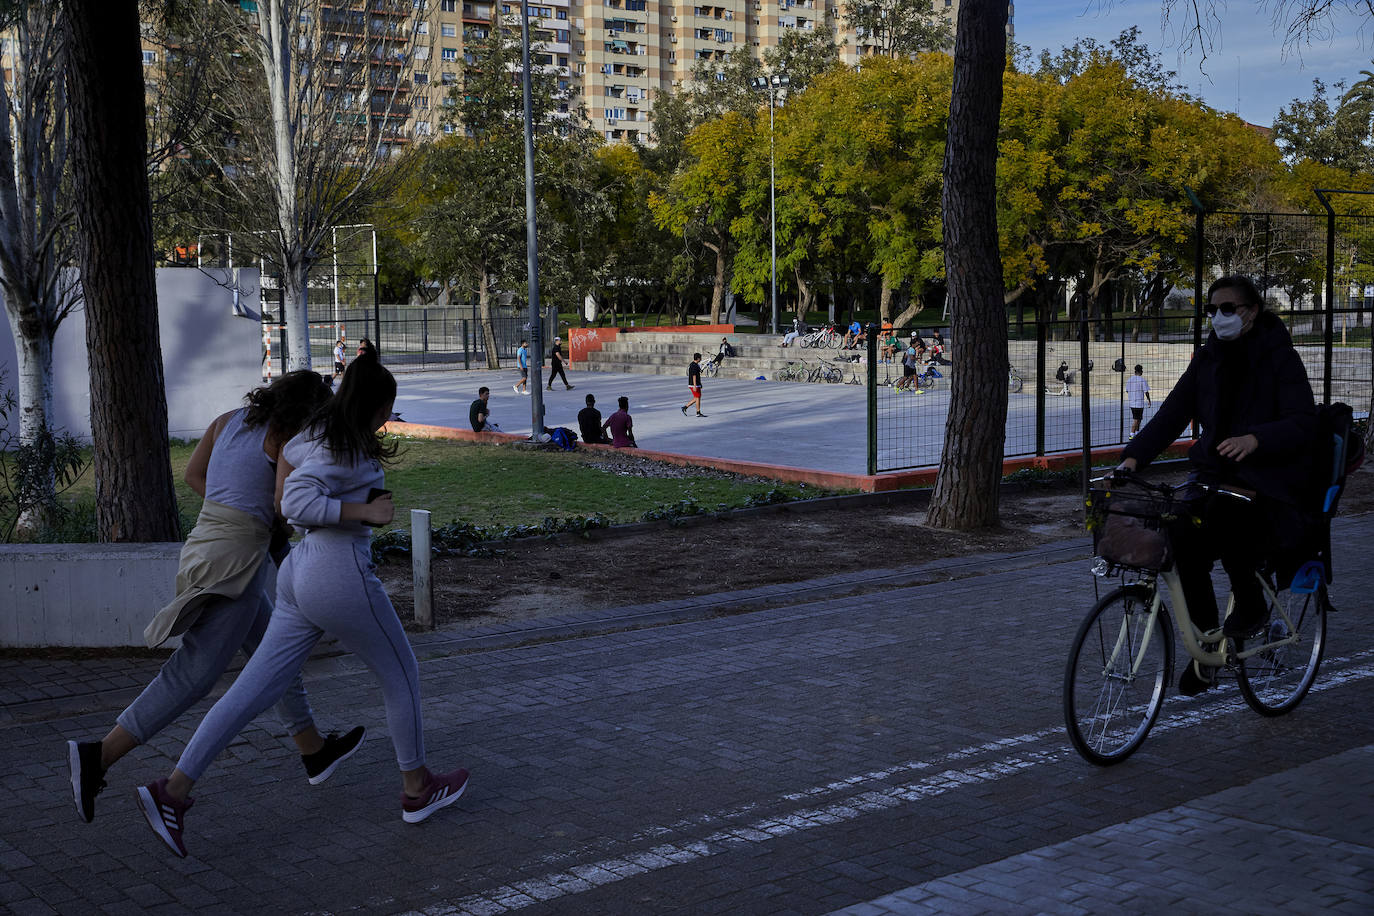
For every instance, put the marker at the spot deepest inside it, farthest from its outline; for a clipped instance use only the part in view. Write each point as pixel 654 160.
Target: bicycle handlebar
pixel 1119 477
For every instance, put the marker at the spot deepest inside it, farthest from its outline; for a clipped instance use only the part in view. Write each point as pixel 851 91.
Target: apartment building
pixel 616 56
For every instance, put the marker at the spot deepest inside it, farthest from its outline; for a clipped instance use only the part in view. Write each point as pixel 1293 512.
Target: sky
pixel 1247 61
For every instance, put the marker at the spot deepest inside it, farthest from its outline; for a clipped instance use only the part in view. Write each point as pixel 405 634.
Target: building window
pixel 450 54
pixel 561 35
pixel 422 128
pixel 448 6
pixel 562 60
pixel 448 30
pixel 149 58
pixel 422 52
pixel 422 28
pixel 562 14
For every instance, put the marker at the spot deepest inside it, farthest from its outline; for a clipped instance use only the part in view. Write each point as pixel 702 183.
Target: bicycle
pixel 788 373
pixel 1122 658
pixel 827 372
pixel 821 338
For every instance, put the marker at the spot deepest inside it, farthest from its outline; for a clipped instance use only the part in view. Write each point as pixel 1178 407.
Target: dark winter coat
pixel 1256 384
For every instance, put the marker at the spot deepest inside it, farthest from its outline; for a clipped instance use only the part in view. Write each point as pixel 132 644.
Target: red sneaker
pixel 440 792
pixel 165 814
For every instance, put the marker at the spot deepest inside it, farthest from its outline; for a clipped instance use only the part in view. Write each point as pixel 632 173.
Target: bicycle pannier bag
pixel 1127 542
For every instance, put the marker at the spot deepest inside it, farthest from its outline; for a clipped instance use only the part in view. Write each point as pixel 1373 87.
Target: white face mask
pixel 1228 327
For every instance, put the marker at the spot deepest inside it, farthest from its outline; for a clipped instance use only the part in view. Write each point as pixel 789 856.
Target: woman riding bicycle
pixel 1248 389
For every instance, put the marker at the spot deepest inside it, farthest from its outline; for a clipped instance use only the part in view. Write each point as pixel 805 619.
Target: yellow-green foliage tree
pixel 704 198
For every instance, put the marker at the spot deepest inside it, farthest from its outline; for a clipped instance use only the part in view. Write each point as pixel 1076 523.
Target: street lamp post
pixel 774 83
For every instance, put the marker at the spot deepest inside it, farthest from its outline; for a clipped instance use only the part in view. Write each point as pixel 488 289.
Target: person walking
pixel 329 478
pixel 1137 396
pixel 556 365
pixel 221 604
pixel 339 357
pixel 522 359
pixel 694 385
pixel 621 425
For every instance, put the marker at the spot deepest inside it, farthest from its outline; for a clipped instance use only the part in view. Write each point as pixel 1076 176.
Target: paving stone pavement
pixel 833 751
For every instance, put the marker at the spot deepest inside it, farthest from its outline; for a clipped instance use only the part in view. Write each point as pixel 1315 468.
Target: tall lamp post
pixel 531 235
pixel 775 83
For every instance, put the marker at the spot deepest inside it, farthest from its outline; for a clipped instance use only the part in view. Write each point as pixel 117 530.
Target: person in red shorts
pixel 694 385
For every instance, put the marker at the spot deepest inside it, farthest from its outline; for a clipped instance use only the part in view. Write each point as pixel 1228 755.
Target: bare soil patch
pixel 539 577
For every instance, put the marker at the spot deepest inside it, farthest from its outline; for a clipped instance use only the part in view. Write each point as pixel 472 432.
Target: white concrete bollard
pixel 420 556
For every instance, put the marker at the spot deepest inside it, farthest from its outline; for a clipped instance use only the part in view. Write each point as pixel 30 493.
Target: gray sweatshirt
pixel 314 492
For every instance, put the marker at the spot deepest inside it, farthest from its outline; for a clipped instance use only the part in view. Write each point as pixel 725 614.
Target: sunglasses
pixel 1226 308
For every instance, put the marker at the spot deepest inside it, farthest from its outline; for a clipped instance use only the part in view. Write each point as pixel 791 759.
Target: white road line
pixel 576 879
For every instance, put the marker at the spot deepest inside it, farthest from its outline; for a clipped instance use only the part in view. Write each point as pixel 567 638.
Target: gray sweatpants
pixel 326 585
pixel 224 627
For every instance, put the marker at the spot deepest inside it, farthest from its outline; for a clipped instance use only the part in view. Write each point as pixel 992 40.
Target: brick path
pixel 833 750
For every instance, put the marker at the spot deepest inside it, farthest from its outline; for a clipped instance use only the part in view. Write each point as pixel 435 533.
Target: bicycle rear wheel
pixel 1276 680
pixel 1117 674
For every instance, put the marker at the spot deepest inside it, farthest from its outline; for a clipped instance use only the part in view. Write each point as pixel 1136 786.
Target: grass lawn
pixel 488 485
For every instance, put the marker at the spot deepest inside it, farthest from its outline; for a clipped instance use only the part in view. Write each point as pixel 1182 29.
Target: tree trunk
pixel 805 295
pixel 718 288
pixel 885 300
pixel 295 314
pixel 970 475
pixel 33 355
pixel 484 317
pixel 134 497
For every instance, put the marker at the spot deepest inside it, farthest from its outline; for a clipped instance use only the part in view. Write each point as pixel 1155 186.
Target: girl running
pixel 221 604
pixel 329 481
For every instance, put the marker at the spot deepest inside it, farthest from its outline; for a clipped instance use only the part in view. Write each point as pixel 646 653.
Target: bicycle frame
pixel 1195 640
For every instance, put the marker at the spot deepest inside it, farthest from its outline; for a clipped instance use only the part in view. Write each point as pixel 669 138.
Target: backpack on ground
pixel 564 438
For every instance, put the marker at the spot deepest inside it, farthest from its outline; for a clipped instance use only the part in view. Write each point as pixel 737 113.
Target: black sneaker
pixel 88 776
pixel 684 410
pixel 1196 679
pixel 1245 624
pixel 701 414
pixel 320 765
pixel 165 814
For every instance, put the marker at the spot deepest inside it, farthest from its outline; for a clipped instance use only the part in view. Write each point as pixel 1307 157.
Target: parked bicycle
pixel 824 337
pixel 792 372
pixel 1121 662
pixel 1014 380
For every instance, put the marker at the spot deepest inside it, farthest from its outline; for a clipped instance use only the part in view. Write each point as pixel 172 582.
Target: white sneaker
pixel 515 388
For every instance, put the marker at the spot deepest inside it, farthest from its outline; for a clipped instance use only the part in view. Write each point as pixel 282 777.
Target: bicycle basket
pixel 1128 529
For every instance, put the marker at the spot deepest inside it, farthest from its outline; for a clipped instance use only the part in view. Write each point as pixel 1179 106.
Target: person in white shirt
pixel 1137 396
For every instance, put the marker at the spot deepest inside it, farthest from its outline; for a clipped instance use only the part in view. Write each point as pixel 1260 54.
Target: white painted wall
pixel 211 358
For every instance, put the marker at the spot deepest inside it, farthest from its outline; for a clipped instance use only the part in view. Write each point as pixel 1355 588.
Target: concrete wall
pixel 83 594
pixel 210 356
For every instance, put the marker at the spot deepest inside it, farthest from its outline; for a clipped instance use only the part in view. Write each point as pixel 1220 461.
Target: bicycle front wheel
pixel 1118 671
pixel 1274 681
